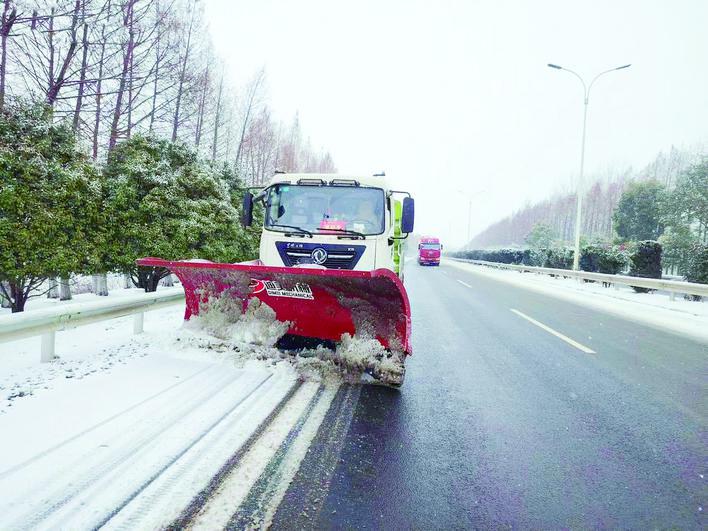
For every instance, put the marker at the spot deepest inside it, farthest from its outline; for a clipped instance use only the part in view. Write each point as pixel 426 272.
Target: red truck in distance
pixel 429 250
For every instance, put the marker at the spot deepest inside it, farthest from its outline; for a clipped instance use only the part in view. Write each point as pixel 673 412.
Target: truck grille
pixel 338 256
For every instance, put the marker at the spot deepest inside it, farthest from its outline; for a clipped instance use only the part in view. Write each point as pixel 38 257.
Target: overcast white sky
pixel 454 97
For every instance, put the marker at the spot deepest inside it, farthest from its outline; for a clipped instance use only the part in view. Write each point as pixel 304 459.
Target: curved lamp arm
pixel 586 88
pixel 603 73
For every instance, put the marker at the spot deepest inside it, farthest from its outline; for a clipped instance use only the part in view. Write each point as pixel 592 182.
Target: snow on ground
pixel 125 429
pixel 102 347
pixel 146 442
pixel 681 316
pixel 81 352
pixel 133 422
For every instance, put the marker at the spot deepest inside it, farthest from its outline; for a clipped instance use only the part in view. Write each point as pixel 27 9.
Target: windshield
pixel 325 209
pixel 435 246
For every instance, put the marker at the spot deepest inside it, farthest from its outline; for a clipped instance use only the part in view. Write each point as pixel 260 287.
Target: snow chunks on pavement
pixel 221 326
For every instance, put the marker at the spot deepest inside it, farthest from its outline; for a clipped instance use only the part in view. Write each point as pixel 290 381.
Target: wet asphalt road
pixel 502 424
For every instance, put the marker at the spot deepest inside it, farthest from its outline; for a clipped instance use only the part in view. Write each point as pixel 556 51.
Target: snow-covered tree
pixel 687 204
pixel 638 213
pixel 542 236
pixel 677 243
pixel 50 203
pixel 164 201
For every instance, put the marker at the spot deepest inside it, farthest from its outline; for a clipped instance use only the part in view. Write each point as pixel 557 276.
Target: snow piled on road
pixel 222 318
pixel 115 409
pixel 252 335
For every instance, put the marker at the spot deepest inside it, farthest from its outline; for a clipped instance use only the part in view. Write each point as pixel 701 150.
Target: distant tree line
pixel 599 204
pixel 660 227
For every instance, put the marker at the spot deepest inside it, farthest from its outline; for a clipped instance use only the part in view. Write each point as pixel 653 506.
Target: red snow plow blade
pixel 318 303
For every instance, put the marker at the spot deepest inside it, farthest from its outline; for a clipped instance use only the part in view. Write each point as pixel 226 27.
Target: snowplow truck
pixel 331 263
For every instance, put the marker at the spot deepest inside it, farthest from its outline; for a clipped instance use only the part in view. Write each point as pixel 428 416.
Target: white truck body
pixel 283 246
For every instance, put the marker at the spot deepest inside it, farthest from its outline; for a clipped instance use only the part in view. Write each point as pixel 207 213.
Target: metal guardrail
pixel 672 286
pixel 46 322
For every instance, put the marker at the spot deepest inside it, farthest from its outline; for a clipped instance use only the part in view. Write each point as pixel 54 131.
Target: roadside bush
pixel 537 257
pixel 613 261
pixel 645 262
pixel 602 259
pixel 503 256
pixel 589 258
pixel 497 255
pixel 560 258
pixel 528 257
pixel 500 256
pixel 697 266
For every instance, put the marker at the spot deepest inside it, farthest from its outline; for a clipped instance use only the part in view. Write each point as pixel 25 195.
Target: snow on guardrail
pixel 672 286
pixel 46 322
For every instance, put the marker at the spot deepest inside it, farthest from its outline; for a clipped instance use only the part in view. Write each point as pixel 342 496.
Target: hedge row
pixel 641 259
pixel 594 258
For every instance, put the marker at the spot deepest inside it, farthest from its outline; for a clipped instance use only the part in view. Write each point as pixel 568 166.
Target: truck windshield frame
pixel 430 246
pixel 332 210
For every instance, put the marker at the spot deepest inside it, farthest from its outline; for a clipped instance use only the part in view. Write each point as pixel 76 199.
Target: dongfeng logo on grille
pixel 319 256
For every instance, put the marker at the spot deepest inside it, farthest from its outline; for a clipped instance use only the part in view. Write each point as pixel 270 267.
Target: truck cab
pixel 429 251
pixel 333 221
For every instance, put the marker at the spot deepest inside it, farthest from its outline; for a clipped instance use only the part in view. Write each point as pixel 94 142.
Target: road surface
pixel 519 410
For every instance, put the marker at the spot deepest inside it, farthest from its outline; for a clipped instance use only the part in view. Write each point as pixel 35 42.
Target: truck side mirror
pixel 247 210
pixel 408 215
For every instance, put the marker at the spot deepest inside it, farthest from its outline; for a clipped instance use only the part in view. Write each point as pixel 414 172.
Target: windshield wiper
pixel 299 230
pixel 348 232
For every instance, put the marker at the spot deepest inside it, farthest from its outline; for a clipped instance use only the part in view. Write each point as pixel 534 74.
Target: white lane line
pixel 463 283
pixel 557 334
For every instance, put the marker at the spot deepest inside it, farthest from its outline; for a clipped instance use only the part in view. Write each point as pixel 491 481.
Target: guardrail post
pixel 47 346
pixel 138 320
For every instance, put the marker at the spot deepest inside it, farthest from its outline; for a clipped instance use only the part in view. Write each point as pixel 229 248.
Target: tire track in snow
pixel 306 495
pixel 264 472
pixel 71 439
pixel 62 492
pixel 252 512
pixel 176 457
pixel 165 499
pixel 187 516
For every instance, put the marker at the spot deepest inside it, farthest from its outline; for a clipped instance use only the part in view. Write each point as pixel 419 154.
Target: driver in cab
pixel 366 219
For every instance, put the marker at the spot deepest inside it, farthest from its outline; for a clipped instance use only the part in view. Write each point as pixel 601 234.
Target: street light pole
pixel 579 207
pixel 469 211
pixel 579 193
pixel 469 220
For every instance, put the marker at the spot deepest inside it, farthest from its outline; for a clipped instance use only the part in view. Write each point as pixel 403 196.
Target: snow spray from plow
pixel 318 303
